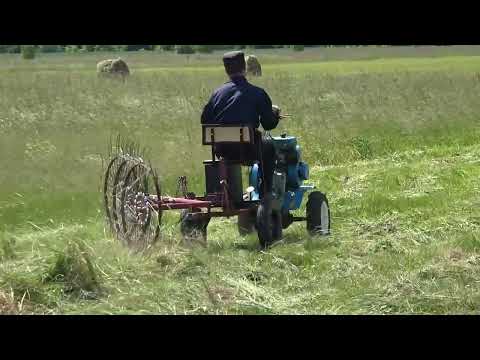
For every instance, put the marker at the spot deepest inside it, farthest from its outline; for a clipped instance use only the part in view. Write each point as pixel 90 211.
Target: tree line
pixel 180 49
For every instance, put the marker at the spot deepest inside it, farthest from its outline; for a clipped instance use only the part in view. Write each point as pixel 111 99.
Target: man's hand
pixel 277 111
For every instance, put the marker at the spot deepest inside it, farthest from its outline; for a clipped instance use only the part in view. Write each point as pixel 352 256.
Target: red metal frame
pixel 172 203
pixel 208 202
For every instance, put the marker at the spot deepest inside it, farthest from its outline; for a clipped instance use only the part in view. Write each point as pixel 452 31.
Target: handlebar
pixel 278 111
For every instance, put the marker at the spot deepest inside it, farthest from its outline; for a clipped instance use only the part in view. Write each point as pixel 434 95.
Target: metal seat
pixel 227 134
pixel 237 144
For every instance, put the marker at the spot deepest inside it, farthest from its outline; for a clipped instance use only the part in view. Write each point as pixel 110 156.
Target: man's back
pixel 239 102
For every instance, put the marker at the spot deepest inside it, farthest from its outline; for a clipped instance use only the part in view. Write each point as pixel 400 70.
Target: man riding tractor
pixel 237 102
pixel 230 122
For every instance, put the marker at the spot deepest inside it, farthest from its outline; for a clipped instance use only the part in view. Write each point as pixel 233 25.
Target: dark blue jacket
pixel 239 102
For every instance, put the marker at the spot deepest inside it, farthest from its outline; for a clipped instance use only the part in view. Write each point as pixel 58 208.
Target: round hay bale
pixel 253 66
pixel 113 68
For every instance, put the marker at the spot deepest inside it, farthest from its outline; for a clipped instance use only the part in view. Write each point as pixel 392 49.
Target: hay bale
pixel 116 68
pixel 253 66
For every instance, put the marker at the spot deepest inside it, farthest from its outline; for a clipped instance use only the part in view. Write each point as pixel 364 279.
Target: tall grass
pixel 55 126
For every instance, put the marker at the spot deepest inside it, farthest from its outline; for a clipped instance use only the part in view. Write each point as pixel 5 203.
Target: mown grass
pixel 392 142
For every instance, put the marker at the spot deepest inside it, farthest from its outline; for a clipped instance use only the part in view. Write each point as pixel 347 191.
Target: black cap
pixel 234 62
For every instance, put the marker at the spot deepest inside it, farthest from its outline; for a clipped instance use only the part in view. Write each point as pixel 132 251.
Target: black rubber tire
pixel 316 204
pixel 287 220
pixel 192 229
pixel 269 224
pixel 246 223
pixel 277 230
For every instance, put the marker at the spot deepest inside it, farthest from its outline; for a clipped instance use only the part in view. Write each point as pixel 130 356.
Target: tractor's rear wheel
pixel 269 223
pixel 246 222
pixel 318 214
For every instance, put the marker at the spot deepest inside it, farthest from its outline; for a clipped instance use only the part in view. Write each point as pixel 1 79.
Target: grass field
pixel 391 136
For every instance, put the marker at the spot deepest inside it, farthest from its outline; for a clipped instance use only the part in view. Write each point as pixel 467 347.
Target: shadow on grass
pixel 310 242
pixel 249 246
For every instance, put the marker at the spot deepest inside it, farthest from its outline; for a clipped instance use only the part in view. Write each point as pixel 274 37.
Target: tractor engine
pixel 289 161
pixel 290 172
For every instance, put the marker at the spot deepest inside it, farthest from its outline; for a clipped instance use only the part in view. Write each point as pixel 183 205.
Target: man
pixel 239 102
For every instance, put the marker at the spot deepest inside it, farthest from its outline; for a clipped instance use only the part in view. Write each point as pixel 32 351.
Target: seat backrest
pixel 232 134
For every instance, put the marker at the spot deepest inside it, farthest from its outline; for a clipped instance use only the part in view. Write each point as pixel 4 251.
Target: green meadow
pixel 391 136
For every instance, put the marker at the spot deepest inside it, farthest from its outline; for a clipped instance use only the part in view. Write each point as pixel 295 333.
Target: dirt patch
pixel 456 255
pixel 10 306
pixel 387 224
pixel 220 294
pixel 459 257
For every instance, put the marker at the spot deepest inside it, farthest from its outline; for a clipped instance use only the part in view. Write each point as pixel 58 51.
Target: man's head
pixel 234 63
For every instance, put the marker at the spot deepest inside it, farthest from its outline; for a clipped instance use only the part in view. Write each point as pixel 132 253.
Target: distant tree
pixel 11 49
pixel 223 47
pixel 165 47
pixel 298 47
pixel 15 49
pixel 89 48
pixel 28 52
pixel 107 48
pixel 72 48
pixel 266 46
pixel 138 47
pixel 206 49
pixel 185 49
pixel 50 48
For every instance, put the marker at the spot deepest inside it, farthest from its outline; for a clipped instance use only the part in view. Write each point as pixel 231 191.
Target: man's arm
pixel 207 114
pixel 268 118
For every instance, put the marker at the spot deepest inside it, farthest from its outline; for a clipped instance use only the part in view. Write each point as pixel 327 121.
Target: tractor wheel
pixel 193 229
pixel 318 214
pixel 269 224
pixel 246 223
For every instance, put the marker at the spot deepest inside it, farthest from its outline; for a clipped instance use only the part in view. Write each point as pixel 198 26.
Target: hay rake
pixel 130 187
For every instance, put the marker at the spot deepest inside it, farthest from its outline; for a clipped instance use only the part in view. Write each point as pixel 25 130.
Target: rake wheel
pixel 116 170
pixel 130 191
pixel 139 225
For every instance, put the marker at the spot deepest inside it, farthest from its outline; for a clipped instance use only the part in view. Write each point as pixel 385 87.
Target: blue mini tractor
pixel 134 203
